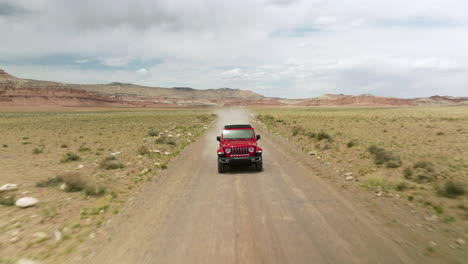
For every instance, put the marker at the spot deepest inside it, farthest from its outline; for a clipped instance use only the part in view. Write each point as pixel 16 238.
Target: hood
pixel 239 143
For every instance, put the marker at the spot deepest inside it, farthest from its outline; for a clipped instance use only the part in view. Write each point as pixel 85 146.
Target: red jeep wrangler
pixel 238 145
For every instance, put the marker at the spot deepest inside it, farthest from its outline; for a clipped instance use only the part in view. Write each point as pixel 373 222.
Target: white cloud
pixel 290 48
pixel 235 74
pixel 142 71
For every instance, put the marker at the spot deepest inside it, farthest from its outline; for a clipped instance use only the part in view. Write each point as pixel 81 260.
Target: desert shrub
pixel 37 150
pixel 153 133
pixel 393 164
pixel 382 156
pixel 50 182
pixel 426 165
pixel 422 171
pixel 93 191
pixel 422 177
pixel 452 189
pixel 448 218
pixel 7 200
pixel 73 182
pixel 374 149
pixel 408 172
pixel 171 142
pixel 161 140
pixel 266 118
pixel 323 135
pixel 70 156
pixel 440 133
pixel 311 134
pixel 64 146
pixel 401 186
pixel 143 150
pixel 296 130
pixel 111 163
pixel 163 166
pixel 83 149
pixel 438 209
pixel 5 145
pixel 352 143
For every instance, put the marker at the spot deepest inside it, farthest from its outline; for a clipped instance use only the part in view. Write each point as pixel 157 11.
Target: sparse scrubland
pixel 417 154
pixel 82 167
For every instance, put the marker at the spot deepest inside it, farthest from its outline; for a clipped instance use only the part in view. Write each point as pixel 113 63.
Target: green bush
pixel 452 189
pixel 382 156
pixel 93 191
pixel 70 156
pixel 143 150
pixel 161 140
pixel 83 149
pixel 323 135
pixel 37 150
pixel 153 133
pixel 50 182
pixel 7 200
pixel 426 165
pixel 401 186
pixel 407 173
pixel 311 134
pixel 352 143
pixel 111 163
pixel 73 181
pixel 296 130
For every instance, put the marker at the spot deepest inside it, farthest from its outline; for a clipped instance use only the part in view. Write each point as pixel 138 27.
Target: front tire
pixel 259 166
pixel 221 168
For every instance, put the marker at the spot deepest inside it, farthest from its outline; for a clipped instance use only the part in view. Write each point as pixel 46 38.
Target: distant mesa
pixel 119 83
pixel 183 88
pixel 24 92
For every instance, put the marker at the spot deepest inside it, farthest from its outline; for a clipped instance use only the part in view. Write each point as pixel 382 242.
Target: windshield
pixel 238 134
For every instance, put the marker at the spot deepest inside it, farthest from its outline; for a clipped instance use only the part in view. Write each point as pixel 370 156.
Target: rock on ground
pixel 9 187
pixel 26 202
pixel 27 261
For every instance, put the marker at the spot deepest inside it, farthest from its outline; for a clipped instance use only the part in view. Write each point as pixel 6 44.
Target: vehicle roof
pixel 237 126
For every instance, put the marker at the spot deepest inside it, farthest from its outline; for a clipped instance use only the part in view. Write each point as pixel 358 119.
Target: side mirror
pixel 218 138
pixel 258 137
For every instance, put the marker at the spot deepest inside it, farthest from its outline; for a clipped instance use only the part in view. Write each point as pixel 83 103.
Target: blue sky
pixel 281 48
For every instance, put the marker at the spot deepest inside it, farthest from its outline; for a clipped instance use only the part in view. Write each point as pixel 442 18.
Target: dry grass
pixel 64 151
pixel 420 152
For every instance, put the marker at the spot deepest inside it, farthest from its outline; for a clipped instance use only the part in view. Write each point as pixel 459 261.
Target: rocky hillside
pixel 15 91
pixel 23 92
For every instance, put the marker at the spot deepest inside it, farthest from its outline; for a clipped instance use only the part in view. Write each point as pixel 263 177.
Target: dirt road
pixel 284 214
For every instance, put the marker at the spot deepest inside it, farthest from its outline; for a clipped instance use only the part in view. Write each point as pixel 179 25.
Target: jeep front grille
pixel 239 152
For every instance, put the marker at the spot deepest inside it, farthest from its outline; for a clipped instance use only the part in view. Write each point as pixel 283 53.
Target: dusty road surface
pixel 283 214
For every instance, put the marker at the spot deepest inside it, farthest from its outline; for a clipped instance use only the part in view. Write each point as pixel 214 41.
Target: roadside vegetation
pixel 418 154
pixel 81 167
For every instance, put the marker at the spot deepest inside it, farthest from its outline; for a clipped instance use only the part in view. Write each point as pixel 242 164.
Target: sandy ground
pixel 284 214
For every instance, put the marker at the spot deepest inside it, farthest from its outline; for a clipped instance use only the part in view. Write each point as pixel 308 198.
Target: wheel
pixel 221 168
pixel 259 165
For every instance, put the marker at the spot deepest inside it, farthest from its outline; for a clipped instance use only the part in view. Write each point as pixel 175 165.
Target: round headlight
pixel 227 150
pixel 251 149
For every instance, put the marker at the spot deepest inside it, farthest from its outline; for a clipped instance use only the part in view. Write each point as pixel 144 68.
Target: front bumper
pixel 239 160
